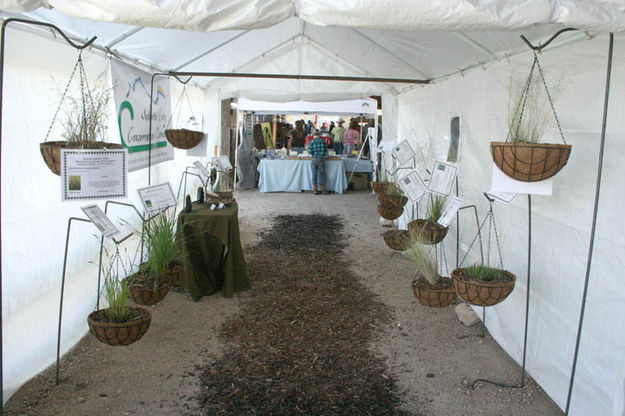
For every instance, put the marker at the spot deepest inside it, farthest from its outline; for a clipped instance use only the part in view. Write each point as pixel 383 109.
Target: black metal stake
pixel 529 275
pixel 594 221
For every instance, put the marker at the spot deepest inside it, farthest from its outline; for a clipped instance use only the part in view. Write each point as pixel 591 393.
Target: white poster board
pixel 403 152
pixel 100 220
pixel 505 197
pixel 201 169
pixel 94 174
pixel 157 197
pixel 442 178
pixel 222 163
pixel 131 90
pixel 503 183
pixel 413 186
pixel 452 205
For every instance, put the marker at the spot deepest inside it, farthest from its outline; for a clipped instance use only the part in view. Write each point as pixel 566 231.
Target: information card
pixel 403 152
pixel 94 174
pixel 222 163
pixel 100 220
pixel 442 178
pixel 452 205
pixel 157 197
pixel 413 186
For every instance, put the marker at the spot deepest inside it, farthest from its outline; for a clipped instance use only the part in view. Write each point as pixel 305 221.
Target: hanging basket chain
pixel 492 226
pixel 492 213
pixel 522 103
pixel 178 102
pixel 445 259
pixel 553 108
pixel 56 113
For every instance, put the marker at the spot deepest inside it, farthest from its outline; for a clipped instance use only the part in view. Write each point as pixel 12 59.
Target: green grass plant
pixel 160 242
pixel 116 294
pixel 528 112
pixel 423 261
pixel 437 202
pixel 483 273
pixel 394 190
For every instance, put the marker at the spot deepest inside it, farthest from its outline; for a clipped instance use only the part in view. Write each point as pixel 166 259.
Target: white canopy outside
pixel 467 50
pixel 348 107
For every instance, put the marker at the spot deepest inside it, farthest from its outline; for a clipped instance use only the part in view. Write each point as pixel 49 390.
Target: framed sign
pixel 100 220
pixel 94 174
pixel 442 178
pixel 157 197
pixel 222 163
pixel 413 186
pixel 452 205
pixel 403 152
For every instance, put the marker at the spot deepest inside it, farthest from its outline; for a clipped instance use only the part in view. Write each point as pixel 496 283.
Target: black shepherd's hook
pixel 544 45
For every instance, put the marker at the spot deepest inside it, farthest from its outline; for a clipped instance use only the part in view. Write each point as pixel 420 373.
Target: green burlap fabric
pixel 205 236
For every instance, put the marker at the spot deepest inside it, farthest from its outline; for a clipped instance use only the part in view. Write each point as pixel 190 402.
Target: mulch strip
pixel 300 345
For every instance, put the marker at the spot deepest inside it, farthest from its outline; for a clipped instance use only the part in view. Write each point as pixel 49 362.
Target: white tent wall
pixel 34 217
pixel 560 223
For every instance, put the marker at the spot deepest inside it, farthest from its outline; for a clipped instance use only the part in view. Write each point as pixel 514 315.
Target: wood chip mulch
pixel 300 345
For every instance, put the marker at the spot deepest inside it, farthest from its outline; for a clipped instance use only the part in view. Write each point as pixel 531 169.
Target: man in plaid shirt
pixel 318 150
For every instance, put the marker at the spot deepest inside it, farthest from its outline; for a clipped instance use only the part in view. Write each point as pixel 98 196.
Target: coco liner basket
pixel 183 138
pixel 427 232
pixel 124 333
pixel 480 293
pixel 432 296
pixel 51 151
pixel 389 201
pixel 397 239
pixel 390 213
pixel 530 162
pixel 147 295
pixel 380 187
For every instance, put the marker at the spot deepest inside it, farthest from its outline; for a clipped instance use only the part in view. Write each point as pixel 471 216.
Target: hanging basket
pixel 438 296
pixel 174 272
pixel 183 138
pixel 397 239
pixel 530 162
pixel 117 334
pixel 389 201
pixel 427 232
pixel 480 293
pixel 51 151
pixel 390 213
pixel 380 187
pixel 144 293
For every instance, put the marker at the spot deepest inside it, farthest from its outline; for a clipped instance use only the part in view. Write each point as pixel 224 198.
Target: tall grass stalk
pixel 483 273
pixel 528 112
pixel 425 264
pixel 116 294
pixel 437 203
pixel 160 241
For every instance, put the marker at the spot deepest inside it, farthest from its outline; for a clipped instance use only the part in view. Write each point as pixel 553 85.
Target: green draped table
pixel 211 251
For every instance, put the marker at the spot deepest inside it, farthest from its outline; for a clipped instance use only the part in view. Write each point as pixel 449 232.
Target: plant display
pixel 117 295
pixel 481 285
pixel 430 288
pixel 527 115
pixel 86 119
pixel 428 230
pixel 425 264
pixel 484 273
pixel 437 203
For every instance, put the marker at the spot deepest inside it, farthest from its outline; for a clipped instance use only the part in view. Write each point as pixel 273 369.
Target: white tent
pixel 466 50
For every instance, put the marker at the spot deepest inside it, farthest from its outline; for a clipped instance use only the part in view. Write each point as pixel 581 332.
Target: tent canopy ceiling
pixel 414 39
pixel 366 106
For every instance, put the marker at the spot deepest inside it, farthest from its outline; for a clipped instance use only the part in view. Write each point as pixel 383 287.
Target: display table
pixel 212 256
pixel 287 175
pixel 355 165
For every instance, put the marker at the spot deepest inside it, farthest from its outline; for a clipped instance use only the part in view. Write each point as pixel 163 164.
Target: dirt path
pixel 429 354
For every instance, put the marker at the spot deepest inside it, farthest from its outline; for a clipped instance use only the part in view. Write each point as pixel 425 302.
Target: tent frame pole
pixel 594 221
pixel 2 49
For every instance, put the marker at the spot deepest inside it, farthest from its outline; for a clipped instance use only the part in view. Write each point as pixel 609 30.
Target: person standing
pixel 350 137
pixel 297 136
pixel 337 137
pixel 318 150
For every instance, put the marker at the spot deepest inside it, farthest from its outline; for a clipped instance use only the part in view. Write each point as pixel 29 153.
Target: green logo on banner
pixel 125 105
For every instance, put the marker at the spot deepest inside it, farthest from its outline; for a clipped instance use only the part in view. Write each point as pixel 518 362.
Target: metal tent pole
pixel 594 222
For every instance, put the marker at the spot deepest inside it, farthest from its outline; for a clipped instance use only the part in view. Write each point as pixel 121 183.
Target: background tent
pixel 467 50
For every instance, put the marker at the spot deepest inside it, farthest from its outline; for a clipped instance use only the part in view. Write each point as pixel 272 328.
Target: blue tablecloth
pixel 289 175
pixel 362 165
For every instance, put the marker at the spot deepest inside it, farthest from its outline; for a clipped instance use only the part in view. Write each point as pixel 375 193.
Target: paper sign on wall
pixel 442 178
pixel 94 174
pixel 403 152
pixel 452 205
pixel 157 197
pixel 413 186
pixel 100 220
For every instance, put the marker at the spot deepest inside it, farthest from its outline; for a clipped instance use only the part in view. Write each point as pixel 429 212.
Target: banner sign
pixel 131 89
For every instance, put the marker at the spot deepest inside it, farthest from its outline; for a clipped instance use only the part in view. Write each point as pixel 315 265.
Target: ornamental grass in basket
pixel 393 197
pixel 522 156
pixel 430 288
pixel 481 285
pixel 428 230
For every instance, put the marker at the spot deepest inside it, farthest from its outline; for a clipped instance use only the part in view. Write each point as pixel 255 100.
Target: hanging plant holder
pixel 480 293
pixel 380 187
pixel 427 232
pixel 530 161
pixel 438 296
pixel 117 334
pixel 390 213
pixel 390 201
pixel 183 138
pixel 148 294
pixel 397 239
pixel 87 126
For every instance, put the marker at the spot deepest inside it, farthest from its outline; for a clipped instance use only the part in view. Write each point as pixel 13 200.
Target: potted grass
pixel 523 156
pixel 397 240
pixel 118 324
pixel 430 288
pixel 481 285
pixel 391 203
pixel 381 186
pixel 428 230
pixel 151 283
pixel 84 127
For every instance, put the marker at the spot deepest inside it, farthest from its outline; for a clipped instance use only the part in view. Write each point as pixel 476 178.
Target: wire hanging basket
pixel 184 138
pixel 439 296
pixel 427 232
pixel 530 161
pixel 480 293
pixel 397 201
pixel 118 334
pixel 390 213
pixel 397 240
